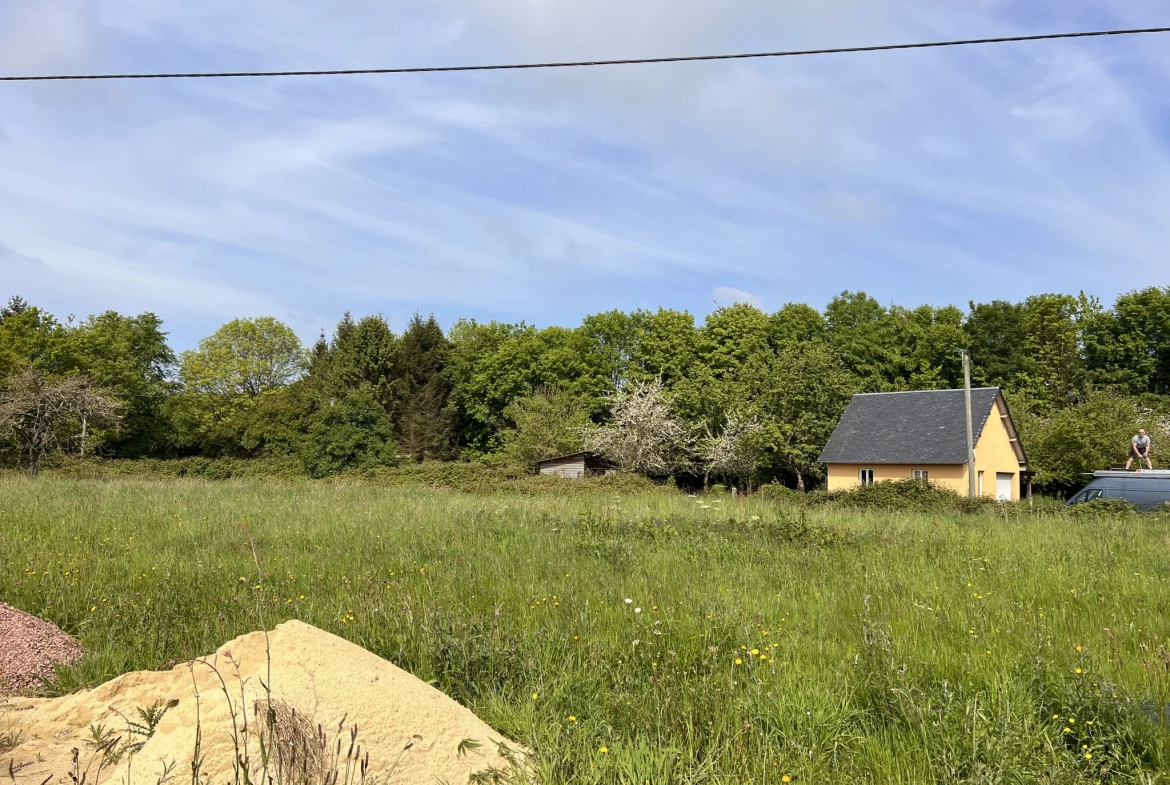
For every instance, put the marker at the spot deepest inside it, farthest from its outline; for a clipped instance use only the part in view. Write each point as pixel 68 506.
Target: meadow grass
pixel 651 637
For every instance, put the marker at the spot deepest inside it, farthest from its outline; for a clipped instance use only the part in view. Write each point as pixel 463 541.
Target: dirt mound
pixel 29 648
pixel 334 712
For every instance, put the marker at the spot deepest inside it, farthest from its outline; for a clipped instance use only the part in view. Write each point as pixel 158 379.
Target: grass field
pixel 650 637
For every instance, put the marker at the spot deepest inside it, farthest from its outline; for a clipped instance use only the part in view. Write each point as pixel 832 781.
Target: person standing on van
pixel 1140 449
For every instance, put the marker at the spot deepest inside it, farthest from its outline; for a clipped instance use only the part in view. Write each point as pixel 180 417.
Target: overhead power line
pixel 590 63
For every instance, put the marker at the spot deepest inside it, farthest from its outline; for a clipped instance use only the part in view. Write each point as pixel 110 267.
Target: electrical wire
pixel 589 63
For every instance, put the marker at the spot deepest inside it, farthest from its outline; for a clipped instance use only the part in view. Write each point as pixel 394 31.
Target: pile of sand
pixel 408 731
pixel 29 648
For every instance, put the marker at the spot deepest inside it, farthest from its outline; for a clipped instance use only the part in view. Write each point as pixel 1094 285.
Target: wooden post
pixel 971 491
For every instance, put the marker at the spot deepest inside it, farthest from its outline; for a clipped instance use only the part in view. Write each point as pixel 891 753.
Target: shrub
pixel 196 467
pixel 484 478
pixel 902 495
pixel 1102 508
pixel 776 492
pixel 353 434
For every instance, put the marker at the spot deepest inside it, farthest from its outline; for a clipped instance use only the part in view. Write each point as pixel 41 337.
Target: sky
pixel 938 176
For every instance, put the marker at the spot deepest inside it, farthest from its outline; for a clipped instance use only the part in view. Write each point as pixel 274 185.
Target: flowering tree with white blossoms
pixel 733 451
pixel 643 434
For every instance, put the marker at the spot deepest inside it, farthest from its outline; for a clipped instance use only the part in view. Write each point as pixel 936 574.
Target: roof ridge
pixel 904 392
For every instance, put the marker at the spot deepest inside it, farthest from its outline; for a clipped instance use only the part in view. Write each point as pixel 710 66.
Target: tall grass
pixel 650 637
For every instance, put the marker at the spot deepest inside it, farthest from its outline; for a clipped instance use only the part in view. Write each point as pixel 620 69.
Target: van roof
pixel 1150 474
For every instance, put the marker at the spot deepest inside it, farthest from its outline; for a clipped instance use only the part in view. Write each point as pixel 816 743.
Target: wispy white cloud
pixel 940 176
pixel 726 295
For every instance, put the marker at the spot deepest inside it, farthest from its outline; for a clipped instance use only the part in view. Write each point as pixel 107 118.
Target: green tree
pixel 808 393
pixel 229 373
pixel 1063 447
pixel 276 425
pixel 796 323
pixel 732 359
pixel 1129 345
pixel 129 357
pixel 364 354
pixel 859 329
pixel 615 338
pixel 419 411
pixel 495 364
pixel 1055 374
pixel 997 337
pixel 32 337
pixel 244 358
pixel 547 423
pixel 353 433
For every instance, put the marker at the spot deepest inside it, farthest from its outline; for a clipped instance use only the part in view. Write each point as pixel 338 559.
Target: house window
pixel 921 474
pixel 865 476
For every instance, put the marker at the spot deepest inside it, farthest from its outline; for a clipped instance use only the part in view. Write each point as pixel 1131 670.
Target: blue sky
pixel 935 176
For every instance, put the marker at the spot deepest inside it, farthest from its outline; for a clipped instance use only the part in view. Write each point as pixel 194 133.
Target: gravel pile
pixel 29 647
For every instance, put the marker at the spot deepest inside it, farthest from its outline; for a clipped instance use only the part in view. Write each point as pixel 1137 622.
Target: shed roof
pixel 588 456
pixel 920 427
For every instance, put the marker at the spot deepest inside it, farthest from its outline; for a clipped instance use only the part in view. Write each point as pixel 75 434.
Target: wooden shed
pixel 576 466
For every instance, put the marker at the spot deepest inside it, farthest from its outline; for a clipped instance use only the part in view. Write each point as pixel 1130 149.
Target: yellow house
pixel 923 435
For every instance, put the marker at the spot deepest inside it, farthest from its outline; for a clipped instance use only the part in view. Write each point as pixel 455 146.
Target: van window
pixel 1087 495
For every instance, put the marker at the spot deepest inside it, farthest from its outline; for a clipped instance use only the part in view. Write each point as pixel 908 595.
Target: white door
pixel 1003 486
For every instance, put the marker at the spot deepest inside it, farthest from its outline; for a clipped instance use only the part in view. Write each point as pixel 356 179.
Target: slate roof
pixel 922 427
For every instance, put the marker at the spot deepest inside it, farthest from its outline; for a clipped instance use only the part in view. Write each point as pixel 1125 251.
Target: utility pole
pixel 971 487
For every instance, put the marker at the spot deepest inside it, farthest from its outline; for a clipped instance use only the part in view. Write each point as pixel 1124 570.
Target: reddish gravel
pixel 29 647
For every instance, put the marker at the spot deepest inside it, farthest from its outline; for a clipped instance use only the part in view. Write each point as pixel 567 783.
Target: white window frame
pixel 920 474
pixel 865 476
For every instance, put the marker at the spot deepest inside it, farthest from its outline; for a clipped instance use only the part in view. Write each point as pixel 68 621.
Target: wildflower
pixel 604 749
pixel 572 718
pixel 535 695
pixel 755 651
pixel 1078 670
pixel 1067 729
pixel 738 661
pixel 1078 648
pixel 629 601
pixel 637 610
pixel 786 778
pixel 1089 722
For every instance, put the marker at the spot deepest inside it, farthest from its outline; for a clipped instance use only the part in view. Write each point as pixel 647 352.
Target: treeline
pixel 746 396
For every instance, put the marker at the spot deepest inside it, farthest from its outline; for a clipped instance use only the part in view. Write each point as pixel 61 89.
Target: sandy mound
pixel 29 647
pixel 411 732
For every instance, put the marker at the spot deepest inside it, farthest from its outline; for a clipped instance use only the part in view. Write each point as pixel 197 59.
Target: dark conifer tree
pixel 422 419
